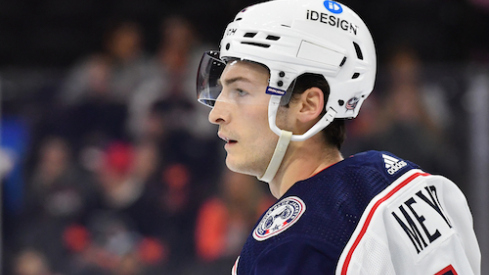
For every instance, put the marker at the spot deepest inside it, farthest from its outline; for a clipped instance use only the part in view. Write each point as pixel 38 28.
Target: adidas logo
pixel 392 164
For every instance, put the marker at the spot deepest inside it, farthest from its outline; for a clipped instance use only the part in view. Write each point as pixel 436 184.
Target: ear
pixel 310 105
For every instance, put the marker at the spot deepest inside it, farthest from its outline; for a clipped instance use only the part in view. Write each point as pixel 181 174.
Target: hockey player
pixel 287 74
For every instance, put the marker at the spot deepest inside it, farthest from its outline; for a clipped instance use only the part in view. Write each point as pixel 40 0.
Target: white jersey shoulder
pixel 421 224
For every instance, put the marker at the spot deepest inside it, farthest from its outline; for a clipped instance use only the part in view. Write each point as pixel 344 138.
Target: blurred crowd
pixel 124 175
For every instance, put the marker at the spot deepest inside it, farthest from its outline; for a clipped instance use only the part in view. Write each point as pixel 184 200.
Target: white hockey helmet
pixel 293 37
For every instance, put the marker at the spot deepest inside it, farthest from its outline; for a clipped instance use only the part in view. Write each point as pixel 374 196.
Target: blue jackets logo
pixel 279 217
pixel 351 104
pixel 333 7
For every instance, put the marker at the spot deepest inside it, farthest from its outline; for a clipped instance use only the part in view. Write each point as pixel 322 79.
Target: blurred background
pixel 109 166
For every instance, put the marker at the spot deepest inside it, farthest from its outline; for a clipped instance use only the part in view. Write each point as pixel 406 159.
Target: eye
pixel 241 92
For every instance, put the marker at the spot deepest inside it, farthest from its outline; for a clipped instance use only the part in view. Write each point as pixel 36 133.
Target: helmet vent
pixel 237 19
pixel 358 50
pixel 250 34
pixel 256 44
pixel 273 37
pixel 355 75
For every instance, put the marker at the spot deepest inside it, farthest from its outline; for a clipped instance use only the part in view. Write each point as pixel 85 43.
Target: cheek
pixel 257 143
pixel 284 121
pixel 263 139
pixel 258 122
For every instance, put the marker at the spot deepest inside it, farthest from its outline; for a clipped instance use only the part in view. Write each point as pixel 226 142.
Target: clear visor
pixel 208 85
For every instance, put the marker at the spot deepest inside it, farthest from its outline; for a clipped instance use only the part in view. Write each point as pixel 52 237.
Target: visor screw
pixel 341 102
pixel 281 74
pixel 280 83
pixel 228 46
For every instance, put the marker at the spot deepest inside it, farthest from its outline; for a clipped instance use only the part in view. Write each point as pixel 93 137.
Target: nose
pixel 219 113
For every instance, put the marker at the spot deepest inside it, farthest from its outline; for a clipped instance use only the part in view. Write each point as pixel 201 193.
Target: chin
pixel 233 165
pixel 239 167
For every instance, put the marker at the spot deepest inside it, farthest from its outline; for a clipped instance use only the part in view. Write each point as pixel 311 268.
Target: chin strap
pixel 278 156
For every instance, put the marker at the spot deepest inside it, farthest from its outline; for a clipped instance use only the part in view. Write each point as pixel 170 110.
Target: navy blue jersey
pixel 310 226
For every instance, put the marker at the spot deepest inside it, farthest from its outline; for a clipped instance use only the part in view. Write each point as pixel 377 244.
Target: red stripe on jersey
pixel 235 267
pixel 446 270
pixel 370 215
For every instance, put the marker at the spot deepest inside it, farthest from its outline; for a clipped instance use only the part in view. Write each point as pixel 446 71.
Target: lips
pixel 227 139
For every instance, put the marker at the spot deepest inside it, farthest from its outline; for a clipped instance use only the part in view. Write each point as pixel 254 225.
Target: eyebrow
pixel 230 81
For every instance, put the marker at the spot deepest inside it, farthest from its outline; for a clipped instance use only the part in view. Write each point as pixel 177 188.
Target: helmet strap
pixel 278 156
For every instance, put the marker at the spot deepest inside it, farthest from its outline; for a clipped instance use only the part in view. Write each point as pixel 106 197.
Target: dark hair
pixel 335 133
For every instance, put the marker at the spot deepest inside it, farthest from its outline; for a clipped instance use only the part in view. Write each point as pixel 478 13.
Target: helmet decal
pixel 332 21
pixel 333 7
pixel 351 104
pixel 275 91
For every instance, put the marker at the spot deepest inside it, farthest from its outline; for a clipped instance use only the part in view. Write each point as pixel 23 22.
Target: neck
pixel 302 161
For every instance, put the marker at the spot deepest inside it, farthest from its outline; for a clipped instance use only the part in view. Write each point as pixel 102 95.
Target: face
pixel 241 111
